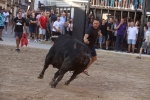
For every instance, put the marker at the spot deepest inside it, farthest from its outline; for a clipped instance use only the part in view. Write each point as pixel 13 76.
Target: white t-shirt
pixel 6 14
pixel 57 25
pixel 147 34
pixel 115 25
pixel 132 32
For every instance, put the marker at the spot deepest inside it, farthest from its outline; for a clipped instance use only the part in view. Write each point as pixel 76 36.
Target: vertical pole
pixel 115 14
pixel 101 14
pixel 142 24
pixel 134 16
pixel 87 15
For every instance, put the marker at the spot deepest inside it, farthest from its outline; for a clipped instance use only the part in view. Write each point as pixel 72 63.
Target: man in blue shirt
pixel 2 18
pixel 63 20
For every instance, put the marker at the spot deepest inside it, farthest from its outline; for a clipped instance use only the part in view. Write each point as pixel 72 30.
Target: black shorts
pixel 1 27
pixel 93 51
pixel 32 30
pixel 18 34
pixel 109 37
pixel 6 23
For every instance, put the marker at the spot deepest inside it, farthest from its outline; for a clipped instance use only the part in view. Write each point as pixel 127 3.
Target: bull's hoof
pixel 53 86
pixel 40 77
pixel 67 83
pixel 51 82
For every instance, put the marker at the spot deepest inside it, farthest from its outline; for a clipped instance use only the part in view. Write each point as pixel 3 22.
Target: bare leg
pixel 107 44
pixel 133 46
pixel 102 3
pixel 91 61
pixel 1 33
pixel 116 3
pixel 129 47
pixel 141 51
pixel 17 42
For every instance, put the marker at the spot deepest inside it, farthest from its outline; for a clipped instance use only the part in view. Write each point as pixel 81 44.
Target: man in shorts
pixel 33 25
pixel 110 31
pixel 42 26
pixel 20 24
pixel 146 44
pixel 6 14
pixel 2 18
pixel 90 39
pixel 103 33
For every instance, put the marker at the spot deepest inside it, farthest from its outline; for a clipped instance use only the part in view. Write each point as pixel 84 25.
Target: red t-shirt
pixel 43 21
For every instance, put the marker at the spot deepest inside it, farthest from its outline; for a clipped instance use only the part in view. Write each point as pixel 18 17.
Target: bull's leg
pixel 61 74
pixel 55 77
pixel 43 71
pixel 72 77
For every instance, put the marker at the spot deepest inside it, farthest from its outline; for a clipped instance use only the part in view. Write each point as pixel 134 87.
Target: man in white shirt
pixel 56 31
pixel 146 44
pixel 6 14
pixel 132 35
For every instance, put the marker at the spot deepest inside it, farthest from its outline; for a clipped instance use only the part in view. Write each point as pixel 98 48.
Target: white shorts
pixel 42 31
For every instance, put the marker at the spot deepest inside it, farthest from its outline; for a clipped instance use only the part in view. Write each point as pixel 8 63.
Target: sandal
pixel 138 57
pixel 86 73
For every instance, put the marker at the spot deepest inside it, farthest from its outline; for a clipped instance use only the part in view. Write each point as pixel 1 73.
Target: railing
pixel 118 4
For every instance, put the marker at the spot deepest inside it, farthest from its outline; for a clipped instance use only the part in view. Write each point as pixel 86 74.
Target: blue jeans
pixel 135 4
pixel 112 3
pixel 119 42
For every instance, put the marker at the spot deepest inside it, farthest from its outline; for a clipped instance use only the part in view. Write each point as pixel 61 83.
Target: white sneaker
pixel 35 40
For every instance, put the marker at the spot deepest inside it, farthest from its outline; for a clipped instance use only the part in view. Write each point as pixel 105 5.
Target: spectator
pixel 146 44
pixel 132 35
pixel 119 3
pixel 125 4
pixel 63 20
pixel 66 25
pixel 115 33
pixel 6 14
pixel 2 19
pixel 148 24
pixel 111 3
pixel 48 34
pixel 27 24
pixel 56 28
pixel 42 26
pixel 110 31
pixel 140 4
pixel 103 33
pixel 90 22
pixel 33 25
pixel 70 26
pixel 121 28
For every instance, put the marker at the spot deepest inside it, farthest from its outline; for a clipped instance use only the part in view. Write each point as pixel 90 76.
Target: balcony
pixel 114 4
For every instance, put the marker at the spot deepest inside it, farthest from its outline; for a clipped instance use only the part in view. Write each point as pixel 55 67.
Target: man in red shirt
pixel 42 26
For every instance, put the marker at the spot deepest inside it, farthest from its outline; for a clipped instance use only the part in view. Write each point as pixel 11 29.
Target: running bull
pixel 67 54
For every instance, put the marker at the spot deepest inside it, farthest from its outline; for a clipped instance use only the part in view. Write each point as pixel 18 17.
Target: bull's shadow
pixel 67 54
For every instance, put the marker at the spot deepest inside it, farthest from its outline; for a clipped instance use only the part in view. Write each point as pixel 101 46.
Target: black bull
pixel 67 54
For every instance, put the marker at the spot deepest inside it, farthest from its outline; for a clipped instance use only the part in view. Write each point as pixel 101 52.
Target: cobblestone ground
pixel 112 77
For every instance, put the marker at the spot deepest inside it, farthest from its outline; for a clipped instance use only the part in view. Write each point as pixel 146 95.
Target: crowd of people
pixel 114 33
pixel 40 25
pixel 125 4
